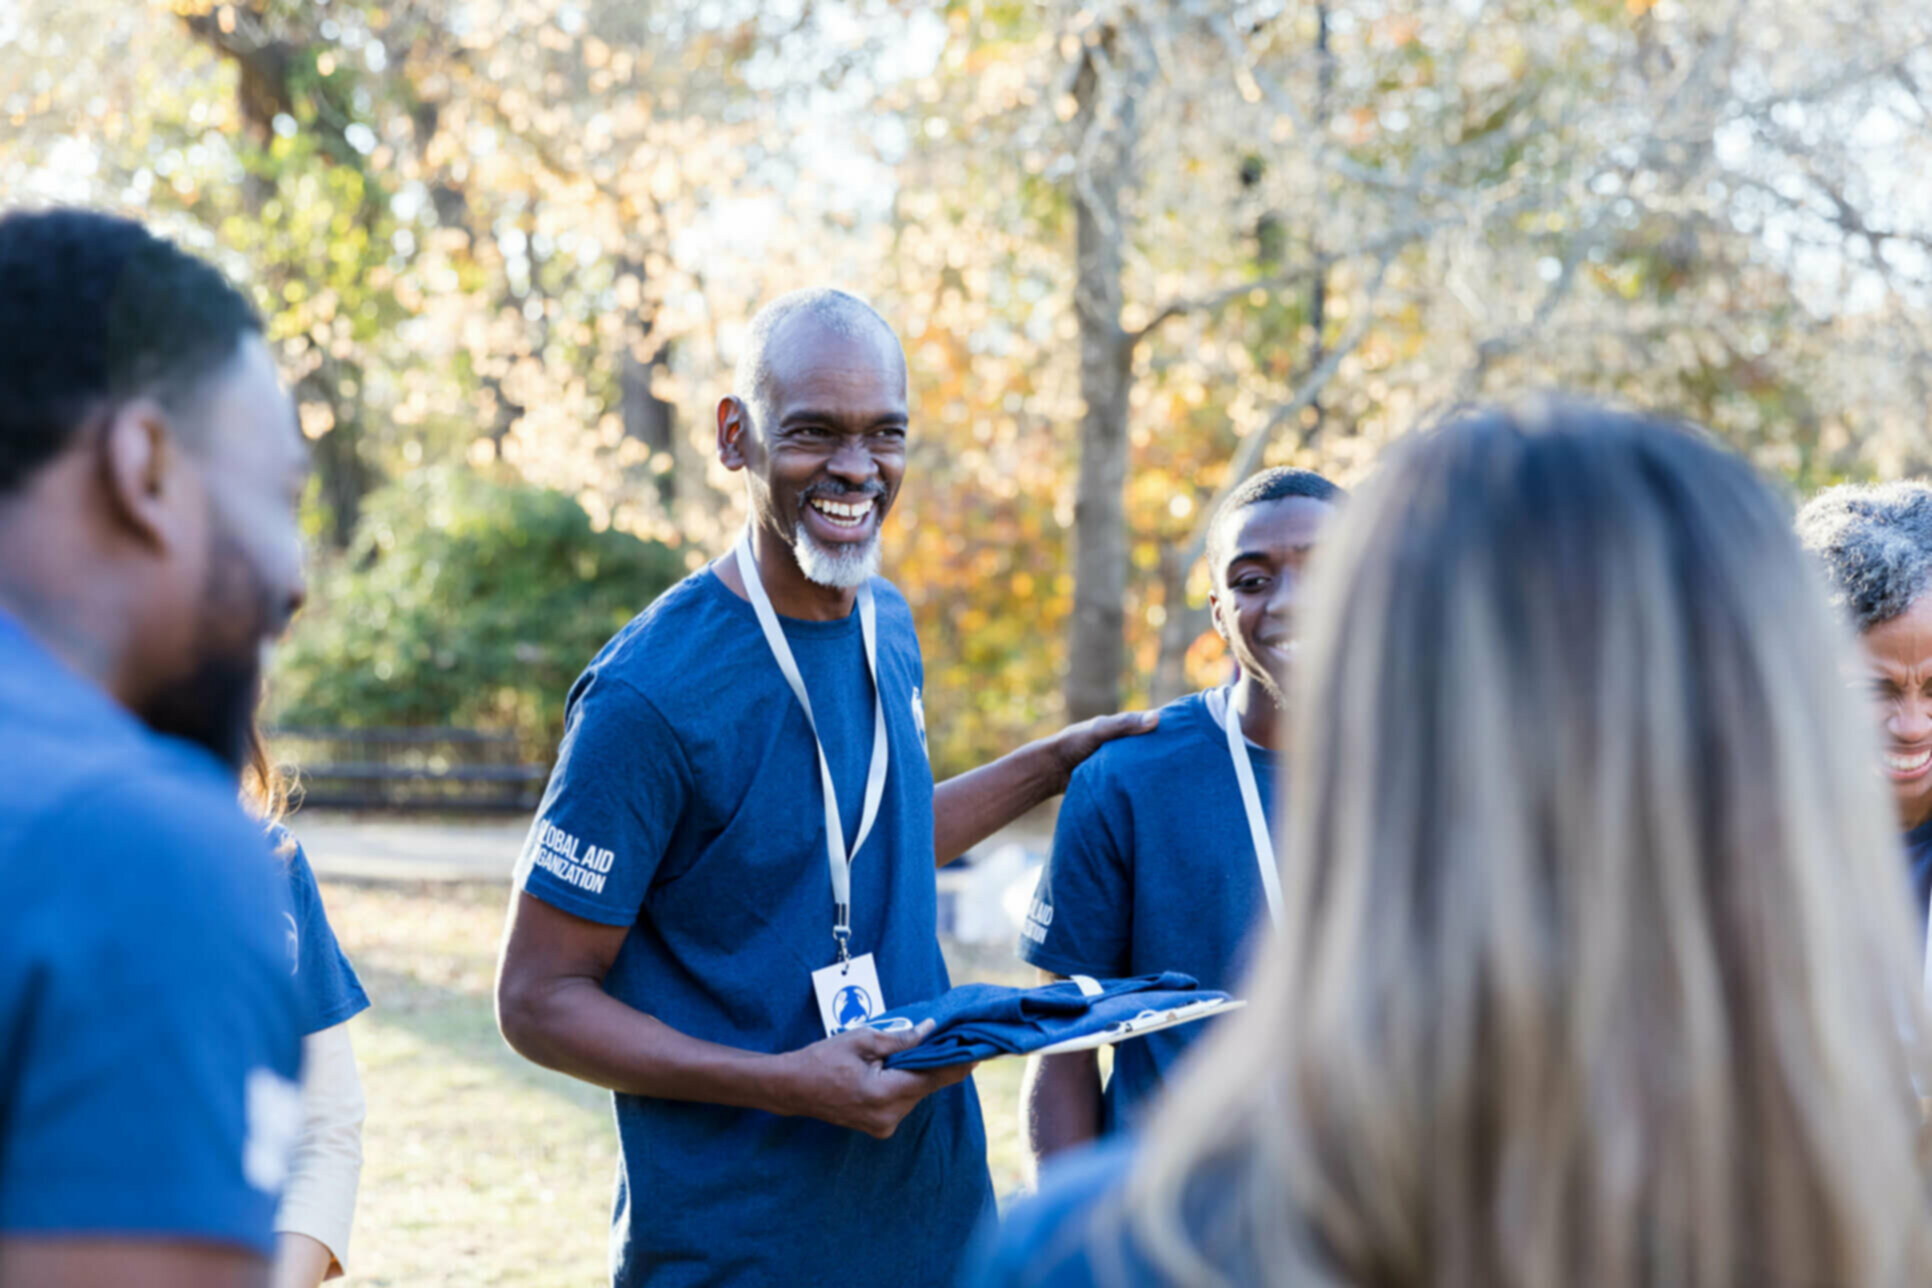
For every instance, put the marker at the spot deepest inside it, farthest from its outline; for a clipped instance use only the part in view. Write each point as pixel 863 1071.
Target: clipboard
pixel 1143 1024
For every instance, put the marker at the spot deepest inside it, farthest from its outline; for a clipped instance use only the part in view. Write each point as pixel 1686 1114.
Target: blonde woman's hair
pixel 1597 965
pixel 267 791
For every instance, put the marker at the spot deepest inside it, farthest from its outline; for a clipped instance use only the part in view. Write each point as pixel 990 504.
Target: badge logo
pixel 294 945
pixel 852 1007
pixel 919 718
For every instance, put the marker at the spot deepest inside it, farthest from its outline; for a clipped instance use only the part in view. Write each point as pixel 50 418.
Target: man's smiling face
pixel 1258 586
pixel 827 450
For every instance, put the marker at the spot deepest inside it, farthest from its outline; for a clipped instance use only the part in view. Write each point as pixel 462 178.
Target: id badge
pixel 848 994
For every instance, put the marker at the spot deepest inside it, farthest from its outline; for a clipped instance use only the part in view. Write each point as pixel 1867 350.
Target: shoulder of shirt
pixel 129 772
pixel 1182 737
pixel 103 778
pixel 895 612
pixel 282 842
pixel 1047 1235
pixel 890 598
pixel 195 839
pixel 646 652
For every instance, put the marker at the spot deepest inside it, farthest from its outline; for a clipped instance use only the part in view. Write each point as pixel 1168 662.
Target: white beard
pixel 842 569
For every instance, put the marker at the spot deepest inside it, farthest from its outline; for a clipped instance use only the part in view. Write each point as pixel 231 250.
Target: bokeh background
pixel 507 248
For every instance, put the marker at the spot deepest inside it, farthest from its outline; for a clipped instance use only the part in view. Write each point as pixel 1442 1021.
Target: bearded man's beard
pixel 840 568
pixel 213 705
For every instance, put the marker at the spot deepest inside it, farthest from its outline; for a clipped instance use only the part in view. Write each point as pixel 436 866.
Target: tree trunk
pixel 648 418
pixel 1096 653
pixel 265 88
pixel 1184 625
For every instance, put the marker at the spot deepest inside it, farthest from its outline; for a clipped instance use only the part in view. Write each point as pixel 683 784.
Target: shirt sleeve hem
pixel 577 906
pixel 317 1226
pixel 347 1009
pixel 1047 959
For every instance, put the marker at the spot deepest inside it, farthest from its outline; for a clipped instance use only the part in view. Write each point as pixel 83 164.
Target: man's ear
pixel 145 473
pixel 1214 613
pixel 734 423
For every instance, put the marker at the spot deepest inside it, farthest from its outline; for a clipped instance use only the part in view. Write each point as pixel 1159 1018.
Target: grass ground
pixel 479 1168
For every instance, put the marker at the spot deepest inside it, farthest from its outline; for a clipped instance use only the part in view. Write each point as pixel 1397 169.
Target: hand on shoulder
pixel 1072 745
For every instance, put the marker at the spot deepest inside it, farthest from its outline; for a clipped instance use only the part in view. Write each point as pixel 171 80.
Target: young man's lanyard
pixel 838 857
pixel 1264 846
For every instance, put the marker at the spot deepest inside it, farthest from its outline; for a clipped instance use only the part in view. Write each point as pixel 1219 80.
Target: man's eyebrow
pixel 1300 547
pixel 820 415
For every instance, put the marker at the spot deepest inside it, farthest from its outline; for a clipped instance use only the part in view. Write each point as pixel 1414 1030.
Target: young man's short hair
pixel 1278 484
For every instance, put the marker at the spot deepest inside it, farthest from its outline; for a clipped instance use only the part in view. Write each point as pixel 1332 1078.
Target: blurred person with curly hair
pixel 1875 543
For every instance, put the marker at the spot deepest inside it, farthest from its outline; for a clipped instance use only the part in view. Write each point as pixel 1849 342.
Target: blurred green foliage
pixel 463 601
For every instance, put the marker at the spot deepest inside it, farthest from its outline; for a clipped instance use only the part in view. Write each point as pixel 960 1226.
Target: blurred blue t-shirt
pixel 1066 1235
pixel 149 1051
pixel 328 990
pixel 685 805
pixel 1918 854
pixel 1078 1232
pixel 1152 870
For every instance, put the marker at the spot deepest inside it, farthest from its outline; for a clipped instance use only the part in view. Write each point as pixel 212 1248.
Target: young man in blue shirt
pixel 150 468
pixel 721 875
pixel 1161 855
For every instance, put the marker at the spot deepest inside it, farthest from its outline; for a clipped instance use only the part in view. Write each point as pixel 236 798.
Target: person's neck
pixel 1917 815
pixel 791 592
pixel 80 633
pixel 1260 717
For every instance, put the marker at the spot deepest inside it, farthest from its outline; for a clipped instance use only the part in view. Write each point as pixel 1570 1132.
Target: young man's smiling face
pixel 1261 558
pixel 828 449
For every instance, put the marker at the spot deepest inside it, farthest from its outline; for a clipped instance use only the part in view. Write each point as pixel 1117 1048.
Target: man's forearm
pixel 969 807
pixel 1061 1095
pixel 575 1027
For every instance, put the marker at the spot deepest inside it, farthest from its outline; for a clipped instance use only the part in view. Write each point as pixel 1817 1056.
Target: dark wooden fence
pixel 448 770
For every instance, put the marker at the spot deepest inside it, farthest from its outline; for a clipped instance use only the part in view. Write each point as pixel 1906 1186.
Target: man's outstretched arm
pixel 552 1009
pixel 1060 1098
pixel 967 808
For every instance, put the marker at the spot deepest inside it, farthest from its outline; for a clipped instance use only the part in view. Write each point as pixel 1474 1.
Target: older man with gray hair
pixel 1875 543
pixel 732 868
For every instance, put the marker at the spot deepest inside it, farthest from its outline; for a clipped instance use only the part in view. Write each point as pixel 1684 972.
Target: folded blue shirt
pixel 979 1021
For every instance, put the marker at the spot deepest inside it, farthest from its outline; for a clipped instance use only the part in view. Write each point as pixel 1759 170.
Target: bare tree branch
pixel 1247 454
pixel 1383 248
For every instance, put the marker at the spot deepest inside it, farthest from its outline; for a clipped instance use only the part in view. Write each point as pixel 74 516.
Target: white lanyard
pixel 1264 846
pixel 837 856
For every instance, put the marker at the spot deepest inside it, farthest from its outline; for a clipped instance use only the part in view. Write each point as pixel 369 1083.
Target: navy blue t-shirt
pixel 1078 1232
pixel 1918 852
pixel 685 804
pixel 1056 1238
pixel 149 1053
pixel 1153 869
pixel 329 990
pixel 976 1022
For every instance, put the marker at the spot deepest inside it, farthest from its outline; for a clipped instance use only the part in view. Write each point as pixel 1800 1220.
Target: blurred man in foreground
pixel 150 467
